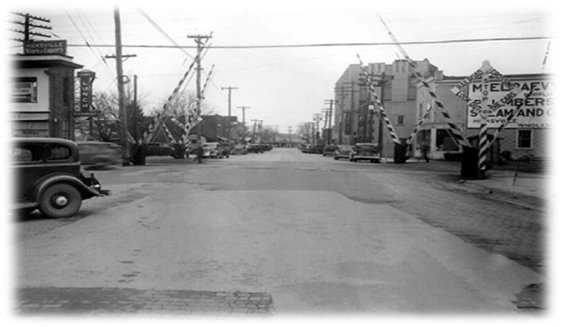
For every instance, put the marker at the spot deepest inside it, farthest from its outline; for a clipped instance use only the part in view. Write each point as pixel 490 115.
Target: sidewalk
pixel 530 190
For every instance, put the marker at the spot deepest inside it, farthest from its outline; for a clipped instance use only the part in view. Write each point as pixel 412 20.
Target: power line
pixel 311 45
pixel 156 26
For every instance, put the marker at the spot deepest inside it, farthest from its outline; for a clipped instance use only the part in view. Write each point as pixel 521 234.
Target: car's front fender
pixel 40 187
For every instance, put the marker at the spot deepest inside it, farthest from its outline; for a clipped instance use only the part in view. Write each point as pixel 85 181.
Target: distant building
pixel 527 134
pixel 355 121
pixel 42 95
pixel 406 103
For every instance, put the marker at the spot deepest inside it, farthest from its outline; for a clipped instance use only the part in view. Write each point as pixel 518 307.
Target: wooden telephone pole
pixel 28 26
pixel 198 40
pixel 229 88
pixel 243 120
pixel 121 90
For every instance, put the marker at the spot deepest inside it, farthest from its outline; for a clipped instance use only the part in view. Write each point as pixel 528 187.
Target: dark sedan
pixel 343 151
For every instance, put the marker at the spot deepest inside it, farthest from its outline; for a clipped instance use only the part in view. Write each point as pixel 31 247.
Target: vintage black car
pixel 365 151
pixel 48 176
pixel 99 154
pixel 255 148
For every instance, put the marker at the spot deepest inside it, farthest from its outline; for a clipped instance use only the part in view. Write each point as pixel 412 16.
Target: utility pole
pixel 28 24
pixel 329 115
pixel 290 136
pixel 134 118
pixel 229 88
pixel 317 118
pixel 243 120
pixel 198 39
pixel 255 126
pixel 121 89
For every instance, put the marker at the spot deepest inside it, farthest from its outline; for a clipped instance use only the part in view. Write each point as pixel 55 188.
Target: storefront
pixel 41 95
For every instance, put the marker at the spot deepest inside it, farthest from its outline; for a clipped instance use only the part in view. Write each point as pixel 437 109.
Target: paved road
pixel 282 233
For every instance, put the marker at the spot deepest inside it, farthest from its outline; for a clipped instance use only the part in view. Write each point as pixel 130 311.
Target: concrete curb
pixel 499 189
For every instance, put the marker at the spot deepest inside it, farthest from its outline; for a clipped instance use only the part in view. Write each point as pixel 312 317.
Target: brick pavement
pixel 490 214
pixel 103 300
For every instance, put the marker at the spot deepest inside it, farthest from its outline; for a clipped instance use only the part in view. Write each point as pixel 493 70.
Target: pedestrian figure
pixel 200 152
pixel 425 150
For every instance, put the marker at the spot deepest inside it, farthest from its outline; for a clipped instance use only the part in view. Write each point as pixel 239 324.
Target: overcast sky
pixel 286 86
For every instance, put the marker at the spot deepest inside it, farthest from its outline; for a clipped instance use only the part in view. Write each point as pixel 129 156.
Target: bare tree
pixel 305 131
pixel 181 105
pixel 269 133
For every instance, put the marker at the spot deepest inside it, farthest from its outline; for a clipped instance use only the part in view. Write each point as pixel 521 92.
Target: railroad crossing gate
pixel 483 108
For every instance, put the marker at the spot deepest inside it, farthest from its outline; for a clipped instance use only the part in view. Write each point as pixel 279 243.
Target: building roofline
pixel 33 61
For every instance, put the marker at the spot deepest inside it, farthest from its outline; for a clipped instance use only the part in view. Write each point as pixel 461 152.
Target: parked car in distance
pixel 99 154
pixel 315 149
pixel 210 150
pixel 342 151
pixel 239 149
pixel 329 150
pixel 158 149
pixel 223 150
pixel 365 151
pixel 49 177
pixel 255 148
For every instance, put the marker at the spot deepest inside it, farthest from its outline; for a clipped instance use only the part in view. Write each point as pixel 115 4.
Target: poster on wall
pixel 536 112
pixel 23 90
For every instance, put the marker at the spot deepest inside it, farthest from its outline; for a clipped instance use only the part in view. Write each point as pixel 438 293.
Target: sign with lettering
pixel 23 90
pixel 86 80
pixel 44 47
pixel 536 111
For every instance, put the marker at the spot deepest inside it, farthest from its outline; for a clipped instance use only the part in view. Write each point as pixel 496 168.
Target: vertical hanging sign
pixel 86 80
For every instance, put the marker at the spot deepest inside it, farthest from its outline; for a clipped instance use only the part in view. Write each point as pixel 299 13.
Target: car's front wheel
pixel 60 201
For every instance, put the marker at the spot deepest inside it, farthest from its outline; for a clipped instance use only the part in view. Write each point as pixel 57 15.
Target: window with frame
pixel 401 120
pixel 24 90
pixel 58 153
pixel 22 154
pixel 524 139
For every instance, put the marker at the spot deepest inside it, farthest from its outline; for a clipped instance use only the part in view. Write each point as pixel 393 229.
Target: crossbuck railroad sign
pixel 481 106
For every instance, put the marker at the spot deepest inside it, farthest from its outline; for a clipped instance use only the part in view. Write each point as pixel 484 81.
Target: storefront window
pixel 445 142
pixel 524 139
pixel 24 90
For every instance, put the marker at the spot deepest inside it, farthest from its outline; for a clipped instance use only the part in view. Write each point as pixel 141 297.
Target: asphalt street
pixel 282 233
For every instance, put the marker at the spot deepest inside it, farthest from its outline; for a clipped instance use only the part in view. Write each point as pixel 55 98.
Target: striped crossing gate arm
pixel 454 130
pixel 168 133
pixel 381 109
pixel 152 128
pixel 416 129
pixel 130 138
pixel 508 119
pixel 207 80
